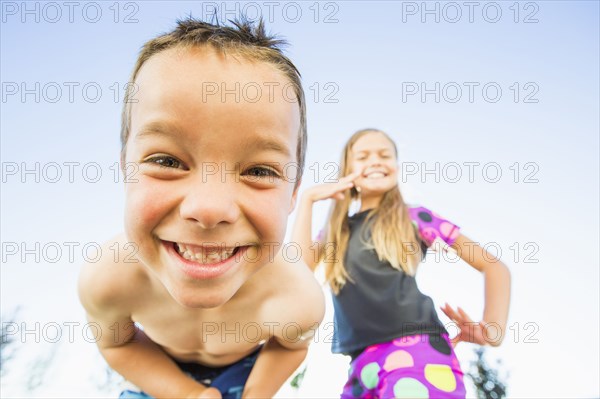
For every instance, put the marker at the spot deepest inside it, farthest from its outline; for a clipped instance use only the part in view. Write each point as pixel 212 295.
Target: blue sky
pixel 364 64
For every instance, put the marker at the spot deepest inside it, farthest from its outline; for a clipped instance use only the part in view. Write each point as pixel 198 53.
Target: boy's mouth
pixel 205 255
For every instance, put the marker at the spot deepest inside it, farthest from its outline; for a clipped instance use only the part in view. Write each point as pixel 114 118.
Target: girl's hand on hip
pixel 469 330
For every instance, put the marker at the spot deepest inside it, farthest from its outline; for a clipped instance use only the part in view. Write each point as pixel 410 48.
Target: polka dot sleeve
pixel 432 226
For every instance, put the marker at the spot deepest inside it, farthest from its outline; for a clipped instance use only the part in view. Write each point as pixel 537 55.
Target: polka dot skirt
pixel 416 366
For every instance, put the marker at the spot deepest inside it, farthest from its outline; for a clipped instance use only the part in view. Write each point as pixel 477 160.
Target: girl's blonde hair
pixel 393 236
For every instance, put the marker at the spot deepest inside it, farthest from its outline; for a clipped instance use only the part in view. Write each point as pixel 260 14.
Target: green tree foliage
pixel 297 380
pixel 7 340
pixel 486 379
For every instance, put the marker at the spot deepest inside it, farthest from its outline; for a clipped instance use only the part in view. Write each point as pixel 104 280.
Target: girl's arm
pixel 302 230
pixel 491 329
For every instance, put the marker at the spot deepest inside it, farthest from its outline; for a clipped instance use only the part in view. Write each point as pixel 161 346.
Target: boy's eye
pixel 165 161
pixel 258 171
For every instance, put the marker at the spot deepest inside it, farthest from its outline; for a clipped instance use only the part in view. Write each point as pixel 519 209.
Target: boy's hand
pixel 210 393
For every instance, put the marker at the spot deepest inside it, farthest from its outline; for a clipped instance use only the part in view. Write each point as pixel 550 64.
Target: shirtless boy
pixel 208 307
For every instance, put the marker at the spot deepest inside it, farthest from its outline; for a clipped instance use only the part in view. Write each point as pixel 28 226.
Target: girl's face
pixel 211 196
pixel 375 157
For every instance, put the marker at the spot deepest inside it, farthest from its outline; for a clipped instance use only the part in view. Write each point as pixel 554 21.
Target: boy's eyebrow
pixel 158 128
pixel 264 143
pixel 268 144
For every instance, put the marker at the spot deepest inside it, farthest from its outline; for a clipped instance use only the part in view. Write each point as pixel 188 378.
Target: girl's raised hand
pixel 469 330
pixel 332 190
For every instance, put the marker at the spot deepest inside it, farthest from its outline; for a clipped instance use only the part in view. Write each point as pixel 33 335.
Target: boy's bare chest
pixel 209 337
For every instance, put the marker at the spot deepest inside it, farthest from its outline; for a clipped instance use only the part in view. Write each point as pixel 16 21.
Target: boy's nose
pixel 210 204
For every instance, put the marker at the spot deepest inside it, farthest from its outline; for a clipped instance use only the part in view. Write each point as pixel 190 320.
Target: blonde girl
pixel 399 347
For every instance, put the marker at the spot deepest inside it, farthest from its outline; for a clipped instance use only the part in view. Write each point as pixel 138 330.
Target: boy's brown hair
pixel 243 38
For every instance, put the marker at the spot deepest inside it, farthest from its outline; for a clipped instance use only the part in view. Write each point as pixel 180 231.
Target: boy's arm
pixel 276 362
pixel 300 311
pixel 147 366
pixel 126 348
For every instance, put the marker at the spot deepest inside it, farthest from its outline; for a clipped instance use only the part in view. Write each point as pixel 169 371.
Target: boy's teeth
pixel 212 256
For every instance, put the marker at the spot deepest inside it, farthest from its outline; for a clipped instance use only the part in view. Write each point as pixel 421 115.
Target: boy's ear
pixel 294 197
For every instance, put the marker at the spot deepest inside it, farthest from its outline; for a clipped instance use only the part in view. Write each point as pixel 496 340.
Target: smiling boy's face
pixel 216 177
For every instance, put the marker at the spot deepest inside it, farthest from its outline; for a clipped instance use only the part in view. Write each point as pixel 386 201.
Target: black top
pixel 382 303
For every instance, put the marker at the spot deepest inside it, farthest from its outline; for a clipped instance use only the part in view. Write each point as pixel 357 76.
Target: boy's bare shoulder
pixel 114 279
pixel 295 294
